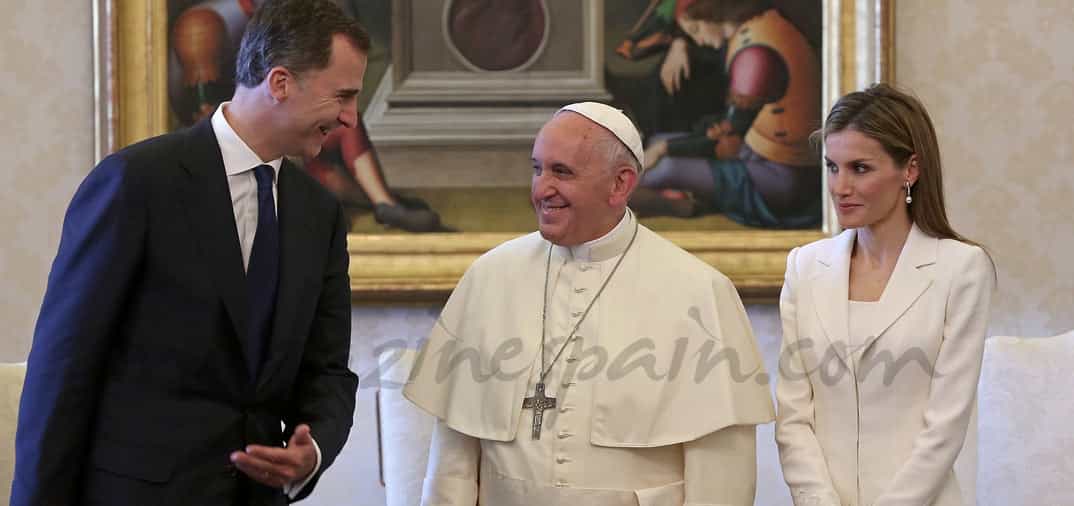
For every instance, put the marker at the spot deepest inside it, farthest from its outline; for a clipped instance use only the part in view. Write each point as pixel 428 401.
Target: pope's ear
pixel 626 179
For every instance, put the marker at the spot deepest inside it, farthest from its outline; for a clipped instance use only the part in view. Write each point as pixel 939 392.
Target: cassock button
pixel 580 290
pixel 568 384
pixel 571 360
pixel 561 483
pixel 563 434
pixel 576 314
pixel 584 267
pixel 562 460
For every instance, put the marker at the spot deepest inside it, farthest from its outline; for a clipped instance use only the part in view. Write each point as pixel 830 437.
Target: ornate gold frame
pixel 130 89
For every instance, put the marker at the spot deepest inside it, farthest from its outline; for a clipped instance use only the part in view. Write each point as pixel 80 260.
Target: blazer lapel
pixel 908 281
pixel 294 235
pixel 207 201
pixel 831 291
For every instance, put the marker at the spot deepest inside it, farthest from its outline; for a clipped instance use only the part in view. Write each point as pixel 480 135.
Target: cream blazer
pixel 880 424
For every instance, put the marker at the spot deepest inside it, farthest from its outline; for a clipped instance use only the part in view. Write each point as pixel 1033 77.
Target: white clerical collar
pixel 237 155
pixel 607 246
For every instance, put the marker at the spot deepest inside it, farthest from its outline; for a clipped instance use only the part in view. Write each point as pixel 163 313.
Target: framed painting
pixel 456 91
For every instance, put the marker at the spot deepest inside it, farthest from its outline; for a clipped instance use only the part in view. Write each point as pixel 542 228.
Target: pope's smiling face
pixel 573 186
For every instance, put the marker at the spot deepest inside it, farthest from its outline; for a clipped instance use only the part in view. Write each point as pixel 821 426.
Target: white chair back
pixel 1026 422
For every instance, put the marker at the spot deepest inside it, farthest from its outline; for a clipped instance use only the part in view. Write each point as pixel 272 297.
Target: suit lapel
pixel 906 284
pixel 294 235
pixel 207 201
pixel 831 290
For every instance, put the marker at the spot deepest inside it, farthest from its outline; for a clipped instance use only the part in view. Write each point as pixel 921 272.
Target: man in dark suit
pixel 193 341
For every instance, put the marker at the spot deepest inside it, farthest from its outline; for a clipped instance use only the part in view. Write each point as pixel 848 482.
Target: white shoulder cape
pixel 681 361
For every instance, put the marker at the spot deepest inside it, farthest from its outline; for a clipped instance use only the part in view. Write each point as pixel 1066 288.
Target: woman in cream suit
pixel 884 324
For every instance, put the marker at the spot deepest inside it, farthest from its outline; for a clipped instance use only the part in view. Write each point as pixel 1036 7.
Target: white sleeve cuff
pixel 293 489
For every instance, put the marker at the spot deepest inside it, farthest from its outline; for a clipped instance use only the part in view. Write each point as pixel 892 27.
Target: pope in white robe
pixel 647 352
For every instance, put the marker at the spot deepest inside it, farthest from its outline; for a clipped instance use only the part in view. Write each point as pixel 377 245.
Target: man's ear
pixel 281 83
pixel 626 179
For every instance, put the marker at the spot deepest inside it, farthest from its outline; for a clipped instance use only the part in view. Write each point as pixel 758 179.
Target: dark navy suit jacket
pixel 137 386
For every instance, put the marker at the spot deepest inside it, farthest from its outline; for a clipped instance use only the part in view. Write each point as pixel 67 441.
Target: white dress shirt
pixel 239 164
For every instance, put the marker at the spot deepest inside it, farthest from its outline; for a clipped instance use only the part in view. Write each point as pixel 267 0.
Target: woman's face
pixel 707 33
pixel 867 186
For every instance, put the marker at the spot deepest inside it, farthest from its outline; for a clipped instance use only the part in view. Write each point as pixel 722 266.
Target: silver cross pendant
pixel 538 403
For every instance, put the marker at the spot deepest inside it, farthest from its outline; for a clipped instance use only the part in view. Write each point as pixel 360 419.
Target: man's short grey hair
pixel 615 152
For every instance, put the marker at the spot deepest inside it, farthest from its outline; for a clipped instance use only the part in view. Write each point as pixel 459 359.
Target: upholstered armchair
pixel 1026 422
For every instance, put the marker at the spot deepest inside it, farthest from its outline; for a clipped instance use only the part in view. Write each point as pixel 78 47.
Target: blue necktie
pixel 262 272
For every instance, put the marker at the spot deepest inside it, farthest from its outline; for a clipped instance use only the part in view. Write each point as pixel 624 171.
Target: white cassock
pixel 657 394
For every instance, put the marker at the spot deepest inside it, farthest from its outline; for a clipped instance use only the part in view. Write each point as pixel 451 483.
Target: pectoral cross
pixel 538 403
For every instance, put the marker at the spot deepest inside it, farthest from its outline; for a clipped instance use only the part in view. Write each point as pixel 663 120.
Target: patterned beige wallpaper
pixel 47 140
pixel 998 78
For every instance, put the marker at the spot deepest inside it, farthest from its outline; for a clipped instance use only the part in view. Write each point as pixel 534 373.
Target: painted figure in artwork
pixel 755 163
pixel 686 88
pixel 348 167
pixel 204 40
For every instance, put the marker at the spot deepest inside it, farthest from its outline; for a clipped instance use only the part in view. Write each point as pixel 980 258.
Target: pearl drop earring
pixel 909 199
